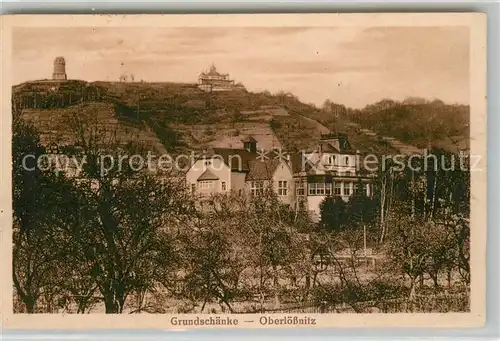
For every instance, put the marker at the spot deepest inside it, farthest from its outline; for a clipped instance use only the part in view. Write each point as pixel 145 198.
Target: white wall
pixel 217 167
pixel 338 161
pixel 313 203
pixel 284 173
pixel 238 182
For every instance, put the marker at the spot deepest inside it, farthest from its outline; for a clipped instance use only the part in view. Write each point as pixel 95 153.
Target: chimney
pixel 289 161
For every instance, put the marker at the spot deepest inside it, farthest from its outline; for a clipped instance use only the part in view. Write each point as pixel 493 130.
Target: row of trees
pixel 418 221
pixel 136 241
pixel 58 98
pixel 121 237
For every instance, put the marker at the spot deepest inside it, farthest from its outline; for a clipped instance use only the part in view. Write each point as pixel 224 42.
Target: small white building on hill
pixel 212 80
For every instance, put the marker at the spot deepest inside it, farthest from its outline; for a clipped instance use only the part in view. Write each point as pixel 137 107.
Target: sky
pixel 349 65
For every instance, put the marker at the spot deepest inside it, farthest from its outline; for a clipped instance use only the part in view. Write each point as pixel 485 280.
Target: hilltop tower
pixel 59 69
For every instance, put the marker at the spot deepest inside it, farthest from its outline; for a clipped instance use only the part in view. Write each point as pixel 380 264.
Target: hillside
pixel 418 121
pixel 55 124
pixel 180 117
pixel 414 123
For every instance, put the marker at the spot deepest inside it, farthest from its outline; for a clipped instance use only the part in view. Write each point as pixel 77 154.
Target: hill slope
pixel 55 124
pixel 180 117
pixel 409 125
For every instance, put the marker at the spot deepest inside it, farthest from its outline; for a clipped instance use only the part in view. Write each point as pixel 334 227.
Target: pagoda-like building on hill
pixel 212 80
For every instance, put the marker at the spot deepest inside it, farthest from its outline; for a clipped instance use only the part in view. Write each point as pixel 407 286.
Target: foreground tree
pixel 94 232
pixel 333 213
pixel 131 214
pixel 43 208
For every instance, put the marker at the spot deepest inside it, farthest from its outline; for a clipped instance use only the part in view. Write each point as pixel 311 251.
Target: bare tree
pixel 129 241
pixel 43 204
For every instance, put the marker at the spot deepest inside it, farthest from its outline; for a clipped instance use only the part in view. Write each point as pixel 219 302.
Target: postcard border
pixel 475 21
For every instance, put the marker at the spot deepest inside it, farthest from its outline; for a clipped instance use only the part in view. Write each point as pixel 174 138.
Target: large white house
pixel 331 169
pixel 240 171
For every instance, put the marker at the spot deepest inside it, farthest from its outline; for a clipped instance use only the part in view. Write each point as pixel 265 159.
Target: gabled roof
pixel 262 170
pixel 249 139
pixel 299 163
pixel 236 159
pixel 207 175
pixel 344 145
pixel 339 141
pixel 334 143
pixel 327 147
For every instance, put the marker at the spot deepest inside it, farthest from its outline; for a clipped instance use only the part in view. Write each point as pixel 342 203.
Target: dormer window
pixel 250 145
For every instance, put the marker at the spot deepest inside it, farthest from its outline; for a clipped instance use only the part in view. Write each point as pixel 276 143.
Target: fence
pixel 429 303
pixel 420 304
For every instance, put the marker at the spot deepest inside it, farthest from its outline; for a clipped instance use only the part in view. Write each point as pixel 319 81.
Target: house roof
pixel 262 170
pixel 249 139
pixel 327 147
pixel 339 141
pixel 207 175
pixel 236 159
pixel 334 143
pixel 299 163
pixel 213 71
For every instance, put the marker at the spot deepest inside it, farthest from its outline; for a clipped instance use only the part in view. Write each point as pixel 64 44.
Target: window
pixel 346 161
pixel 257 187
pixel 338 188
pixel 208 163
pixel 223 186
pixel 193 188
pixel 366 188
pixel 299 188
pixel 282 188
pixel 312 188
pixel 347 189
pixel 328 188
pixel 206 184
pixel 319 188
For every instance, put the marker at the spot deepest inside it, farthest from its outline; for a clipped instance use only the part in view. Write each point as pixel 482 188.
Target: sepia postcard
pixel 243 171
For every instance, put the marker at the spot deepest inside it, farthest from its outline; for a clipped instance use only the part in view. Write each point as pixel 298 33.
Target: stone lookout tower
pixel 59 69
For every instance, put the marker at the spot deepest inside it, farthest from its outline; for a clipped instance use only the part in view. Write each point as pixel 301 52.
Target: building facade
pixel 212 80
pixel 239 171
pixel 332 169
